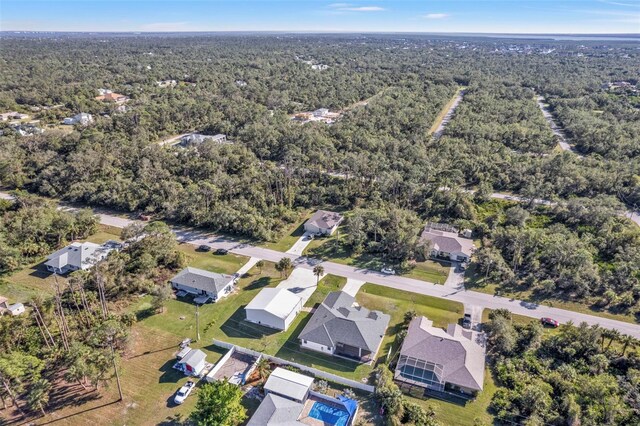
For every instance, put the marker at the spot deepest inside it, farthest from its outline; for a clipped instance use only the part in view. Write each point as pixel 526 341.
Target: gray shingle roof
pixel 325 219
pixel 462 360
pixel 336 320
pixel 275 410
pixel 202 280
pixel 448 242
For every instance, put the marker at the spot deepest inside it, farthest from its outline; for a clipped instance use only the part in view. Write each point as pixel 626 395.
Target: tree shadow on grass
pixel 257 284
pixel 175 420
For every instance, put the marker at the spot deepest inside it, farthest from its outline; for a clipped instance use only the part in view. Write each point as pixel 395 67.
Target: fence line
pixel 317 373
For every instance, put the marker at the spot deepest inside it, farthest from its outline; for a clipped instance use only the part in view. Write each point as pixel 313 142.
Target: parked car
pixel 550 322
pixel 387 270
pixel 222 251
pixel 308 237
pixel 466 321
pixel 204 247
pixel 184 392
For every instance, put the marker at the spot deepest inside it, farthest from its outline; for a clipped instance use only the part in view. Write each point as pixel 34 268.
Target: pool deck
pixel 304 415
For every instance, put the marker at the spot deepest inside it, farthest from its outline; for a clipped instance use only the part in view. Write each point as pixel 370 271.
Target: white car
pixel 388 271
pixel 184 392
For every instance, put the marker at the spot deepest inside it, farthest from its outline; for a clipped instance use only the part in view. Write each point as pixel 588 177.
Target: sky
pixel 485 16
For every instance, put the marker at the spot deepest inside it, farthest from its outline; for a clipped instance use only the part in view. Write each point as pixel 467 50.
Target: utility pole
pixel 197 323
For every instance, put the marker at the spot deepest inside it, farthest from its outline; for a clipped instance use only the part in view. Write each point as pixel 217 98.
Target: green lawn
pixel 472 413
pixel 223 264
pixel 332 249
pixel 23 285
pixel 432 271
pixel 397 302
pixel 327 285
pixel 291 234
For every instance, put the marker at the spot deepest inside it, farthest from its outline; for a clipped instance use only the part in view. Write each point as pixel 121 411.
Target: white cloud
pixel 436 15
pixel 351 8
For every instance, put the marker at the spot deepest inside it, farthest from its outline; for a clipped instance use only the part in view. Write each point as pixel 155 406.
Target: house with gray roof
pixel 441 360
pixel 198 138
pixel 77 256
pixel 323 222
pixel 448 245
pixel 203 283
pixel 275 410
pixel 342 328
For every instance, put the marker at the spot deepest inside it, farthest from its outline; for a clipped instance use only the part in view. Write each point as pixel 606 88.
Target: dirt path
pixel 555 128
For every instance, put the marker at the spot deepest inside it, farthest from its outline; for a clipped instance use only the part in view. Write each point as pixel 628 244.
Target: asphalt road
pixel 190 236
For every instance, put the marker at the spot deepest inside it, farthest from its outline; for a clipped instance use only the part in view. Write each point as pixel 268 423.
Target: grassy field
pixel 328 284
pixel 223 264
pixel 149 383
pixel 333 250
pixel 34 279
pixel 291 234
pixel 397 302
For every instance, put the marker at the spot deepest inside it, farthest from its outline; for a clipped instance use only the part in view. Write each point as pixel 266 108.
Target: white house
pixel 83 119
pixel 5 307
pixel 323 222
pixel 320 112
pixel 197 138
pixel 288 384
pixel 203 283
pixel 274 307
pixel 77 256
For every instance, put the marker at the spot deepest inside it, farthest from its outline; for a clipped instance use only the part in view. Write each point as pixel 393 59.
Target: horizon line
pixel 481 33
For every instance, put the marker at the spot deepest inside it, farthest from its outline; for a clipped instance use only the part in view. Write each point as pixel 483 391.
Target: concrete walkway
pixel 247 266
pixel 352 286
pixel 302 283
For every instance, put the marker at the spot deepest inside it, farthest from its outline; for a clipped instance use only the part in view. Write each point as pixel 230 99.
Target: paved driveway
pixel 301 282
pixel 302 243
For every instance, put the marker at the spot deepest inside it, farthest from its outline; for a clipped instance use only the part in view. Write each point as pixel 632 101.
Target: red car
pixel 550 322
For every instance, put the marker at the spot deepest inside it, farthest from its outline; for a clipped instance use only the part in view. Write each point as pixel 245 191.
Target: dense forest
pixel 379 163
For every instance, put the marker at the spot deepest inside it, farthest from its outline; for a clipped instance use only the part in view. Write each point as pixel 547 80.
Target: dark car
pixel 550 322
pixel 222 251
pixel 204 248
pixel 466 321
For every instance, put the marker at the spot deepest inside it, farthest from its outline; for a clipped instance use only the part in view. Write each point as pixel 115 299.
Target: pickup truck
pixel 184 392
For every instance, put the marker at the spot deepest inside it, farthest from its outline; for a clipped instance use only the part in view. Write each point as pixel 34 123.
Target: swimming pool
pixel 328 414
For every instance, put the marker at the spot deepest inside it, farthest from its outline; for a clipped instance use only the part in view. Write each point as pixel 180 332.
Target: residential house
pixel 11 309
pixel 110 96
pixel 210 285
pixel 77 256
pixel 83 119
pixel 167 83
pixel 323 222
pixel 274 308
pixel 197 138
pixel 446 245
pixel 290 401
pixel 441 360
pixel 340 327
pixel 320 112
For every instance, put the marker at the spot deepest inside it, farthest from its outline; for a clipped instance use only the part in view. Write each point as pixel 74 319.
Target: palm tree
pixel 628 342
pixel 260 265
pixel 284 266
pixel 614 335
pixel 38 396
pixel 318 271
pixel 263 368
